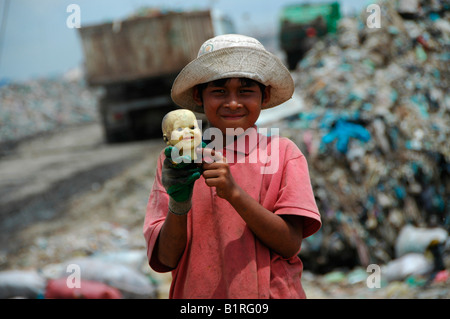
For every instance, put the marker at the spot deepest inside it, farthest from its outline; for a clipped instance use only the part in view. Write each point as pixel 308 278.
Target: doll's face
pixel 185 132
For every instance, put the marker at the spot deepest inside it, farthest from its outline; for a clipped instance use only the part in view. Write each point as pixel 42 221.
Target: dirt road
pixel 42 176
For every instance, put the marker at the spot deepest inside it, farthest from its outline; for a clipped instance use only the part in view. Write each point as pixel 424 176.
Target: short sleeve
pixel 157 209
pixel 290 188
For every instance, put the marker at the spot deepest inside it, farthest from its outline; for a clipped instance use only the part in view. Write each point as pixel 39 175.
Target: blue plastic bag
pixel 343 131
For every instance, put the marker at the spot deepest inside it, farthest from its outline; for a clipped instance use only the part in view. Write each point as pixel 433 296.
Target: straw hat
pixel 231 56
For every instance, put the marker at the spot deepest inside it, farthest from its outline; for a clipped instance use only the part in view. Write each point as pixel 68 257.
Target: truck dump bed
pixel 143 47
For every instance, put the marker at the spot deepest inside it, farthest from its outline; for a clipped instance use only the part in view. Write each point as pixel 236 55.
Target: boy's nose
pixel 233 103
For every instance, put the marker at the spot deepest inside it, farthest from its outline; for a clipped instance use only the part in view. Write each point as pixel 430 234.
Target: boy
pixel 238 233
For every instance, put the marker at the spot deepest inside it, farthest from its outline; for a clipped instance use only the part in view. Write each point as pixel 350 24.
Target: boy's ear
pixel 196 96
pixel 266 98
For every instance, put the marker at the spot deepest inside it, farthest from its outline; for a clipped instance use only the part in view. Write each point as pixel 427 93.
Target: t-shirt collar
pixel 246 142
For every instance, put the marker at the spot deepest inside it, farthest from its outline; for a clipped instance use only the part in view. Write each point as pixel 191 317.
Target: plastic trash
pixel 136 259
pixel 44 105
pixel 398 290
pixel 130 282
pixel 21 284
pixel 335 277
pixel 408 7
pixel 412 264
pixel 343 131
pixel 416 240
pixel 442 276
pixel 398 95
pixel 357 275
pixel 58 289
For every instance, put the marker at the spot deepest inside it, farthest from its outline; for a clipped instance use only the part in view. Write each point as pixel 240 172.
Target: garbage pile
pixel 376 132
pixel 416 272
pixel 43 105
pixel 113 275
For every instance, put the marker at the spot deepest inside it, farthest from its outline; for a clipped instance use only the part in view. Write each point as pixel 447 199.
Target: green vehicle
pixel 303 24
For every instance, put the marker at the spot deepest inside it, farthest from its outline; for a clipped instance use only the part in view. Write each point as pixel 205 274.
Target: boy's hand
pixel 178 179
pixel 217 174
pixel 177 161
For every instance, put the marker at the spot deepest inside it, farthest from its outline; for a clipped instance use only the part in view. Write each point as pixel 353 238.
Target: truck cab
pixel 302 25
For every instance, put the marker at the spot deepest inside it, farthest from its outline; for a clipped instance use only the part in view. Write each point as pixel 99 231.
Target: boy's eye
pixel 218 91
pixel 192 127
pixel 179 129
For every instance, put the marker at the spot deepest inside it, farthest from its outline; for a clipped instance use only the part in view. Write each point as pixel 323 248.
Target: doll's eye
pixel 179 129
pixel 192 127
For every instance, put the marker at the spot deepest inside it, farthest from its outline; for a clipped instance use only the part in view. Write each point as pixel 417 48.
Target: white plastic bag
pixel 416 240
pixel 130 282
pixel 21 284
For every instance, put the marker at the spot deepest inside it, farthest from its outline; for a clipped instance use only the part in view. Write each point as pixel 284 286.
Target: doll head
pixel 180 129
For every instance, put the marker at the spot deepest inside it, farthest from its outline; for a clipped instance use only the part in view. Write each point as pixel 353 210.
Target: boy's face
pixel 233 104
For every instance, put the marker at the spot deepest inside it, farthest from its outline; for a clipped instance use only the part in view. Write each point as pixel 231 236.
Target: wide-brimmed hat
pixel 233 56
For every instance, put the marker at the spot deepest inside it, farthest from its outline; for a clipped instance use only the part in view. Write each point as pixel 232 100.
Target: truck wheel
pixel 293 58
pixel 110 137
pixel 117 136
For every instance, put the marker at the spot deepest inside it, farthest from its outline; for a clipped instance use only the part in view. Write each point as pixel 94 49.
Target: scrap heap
pixel 44 105
pixel 375 130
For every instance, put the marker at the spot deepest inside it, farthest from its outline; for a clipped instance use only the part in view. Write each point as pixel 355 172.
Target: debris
pixel 375 129
pixel 412 239
pixel 58 289
pixel 399 290
pixel 134 258
pixel 130 282
pixel 21 284
pixel 44 105
pixel 412 264
pixel 442 276
pixel 334 277
pixel 357 275
pixel 343 131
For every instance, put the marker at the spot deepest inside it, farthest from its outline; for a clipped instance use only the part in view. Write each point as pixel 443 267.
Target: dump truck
pixel 136 61
pixel 302 25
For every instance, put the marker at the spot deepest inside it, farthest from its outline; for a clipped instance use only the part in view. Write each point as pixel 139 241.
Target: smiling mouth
pixel 233 116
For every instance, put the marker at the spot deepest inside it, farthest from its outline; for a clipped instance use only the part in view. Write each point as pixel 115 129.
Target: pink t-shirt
pixel 223 258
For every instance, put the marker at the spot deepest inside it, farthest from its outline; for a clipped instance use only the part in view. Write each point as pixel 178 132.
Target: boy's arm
pixel 178 180
pixel 172 240
pixel 281 234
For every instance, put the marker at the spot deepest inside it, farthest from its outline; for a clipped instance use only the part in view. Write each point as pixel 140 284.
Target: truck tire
pixel 112 135
pixel 293 57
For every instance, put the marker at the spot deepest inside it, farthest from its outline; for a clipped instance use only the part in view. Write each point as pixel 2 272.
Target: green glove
pixel 178 179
